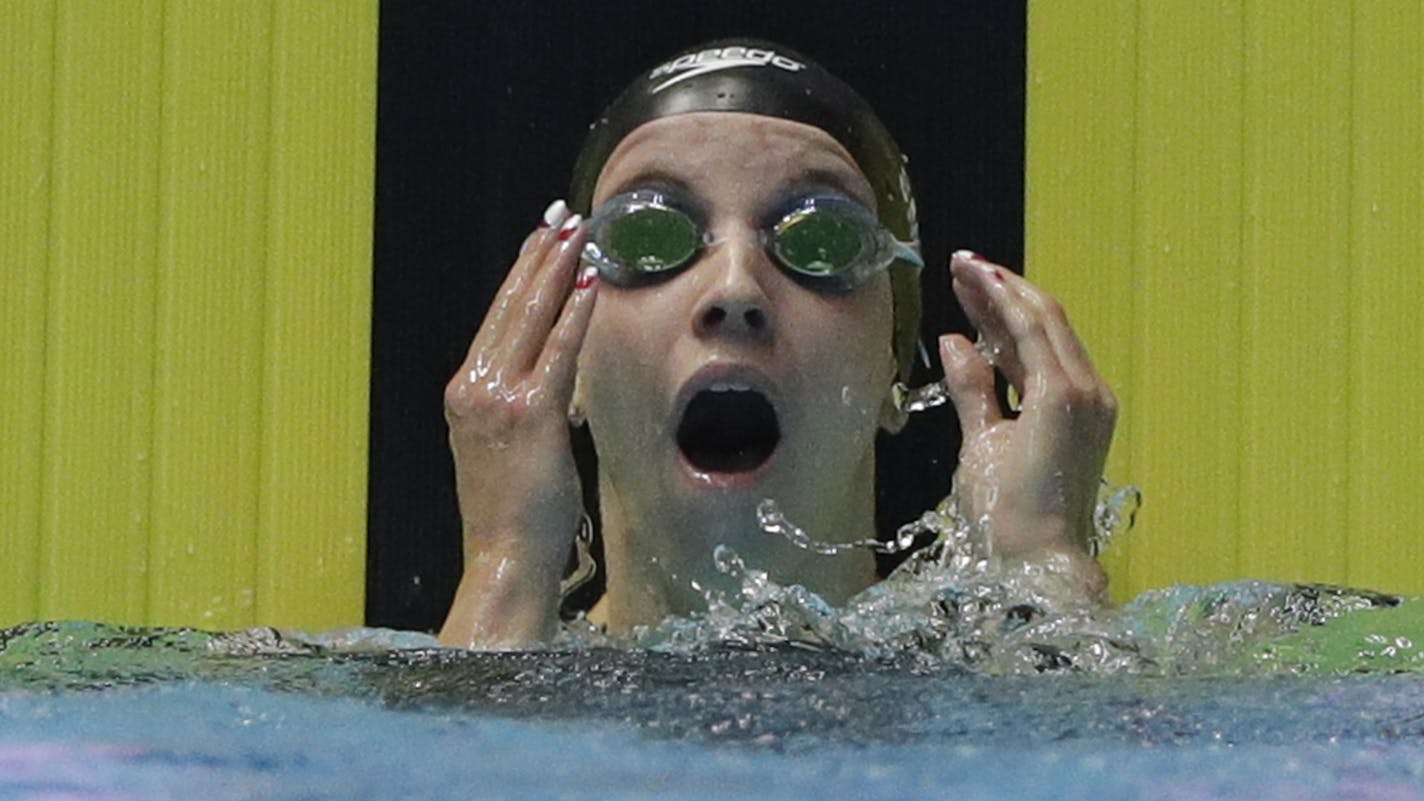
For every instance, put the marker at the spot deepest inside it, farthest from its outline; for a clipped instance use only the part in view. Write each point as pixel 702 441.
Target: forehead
pixel 719 152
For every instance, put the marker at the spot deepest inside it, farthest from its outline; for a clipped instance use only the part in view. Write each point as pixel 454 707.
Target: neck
pixel 653 554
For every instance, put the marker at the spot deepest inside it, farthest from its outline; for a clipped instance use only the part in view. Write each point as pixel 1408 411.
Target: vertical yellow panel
pixel 313 528
pixel 99 324
pixel 1295 412
pixel 1275 276
pixel 213 194
pixel 1386 253
pixel 26 84
pixel 1080 175
pixel 182 431
pixel 1187 265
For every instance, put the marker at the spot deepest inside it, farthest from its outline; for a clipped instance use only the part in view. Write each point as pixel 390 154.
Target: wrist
pixel 500 553
pixel 508 598
pixel 1053 542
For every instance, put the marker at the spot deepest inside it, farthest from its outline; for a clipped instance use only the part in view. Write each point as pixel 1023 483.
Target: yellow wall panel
pixel 212 264
pixel 1258 318
pixel 1387 284
pixel 1186 267
pixel 186 284
pixel 1295 244
pixel 99 320
pixel 312 532
pixel 26 82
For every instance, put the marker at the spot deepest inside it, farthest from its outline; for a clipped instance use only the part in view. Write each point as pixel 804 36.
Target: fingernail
pixel 967 258
pixel 587 278
pixel 569 227
pixel 983 264
pixel 555 214
pixel 948 349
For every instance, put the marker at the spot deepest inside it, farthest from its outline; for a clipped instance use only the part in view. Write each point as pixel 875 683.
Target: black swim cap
pixel 759 77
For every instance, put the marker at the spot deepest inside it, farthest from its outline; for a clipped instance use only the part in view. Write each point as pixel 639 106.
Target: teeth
pixel 730 386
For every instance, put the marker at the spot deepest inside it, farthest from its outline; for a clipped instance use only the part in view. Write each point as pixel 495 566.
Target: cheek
pixel 617 354
pixel 859 330
pixel 854 360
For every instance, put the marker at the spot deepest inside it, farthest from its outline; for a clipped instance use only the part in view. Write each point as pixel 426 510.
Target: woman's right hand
pixel 507 410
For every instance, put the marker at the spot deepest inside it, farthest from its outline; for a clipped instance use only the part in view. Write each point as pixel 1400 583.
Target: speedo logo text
pixel 701 63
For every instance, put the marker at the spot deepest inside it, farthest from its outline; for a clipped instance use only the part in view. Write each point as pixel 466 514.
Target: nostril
pixel 734 318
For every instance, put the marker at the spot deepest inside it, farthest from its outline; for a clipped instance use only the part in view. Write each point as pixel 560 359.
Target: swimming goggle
pixel 827 242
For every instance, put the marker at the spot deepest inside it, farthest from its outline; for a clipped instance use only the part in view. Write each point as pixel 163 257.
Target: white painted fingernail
pixel 570 225
pixel 983 265
pixel 556 213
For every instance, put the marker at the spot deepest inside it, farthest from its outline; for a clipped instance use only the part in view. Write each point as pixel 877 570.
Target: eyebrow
pixel 660 176
pixel 654 176
pixel 820 178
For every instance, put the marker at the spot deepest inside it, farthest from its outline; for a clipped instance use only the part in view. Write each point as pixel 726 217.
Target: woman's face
pixel 730 382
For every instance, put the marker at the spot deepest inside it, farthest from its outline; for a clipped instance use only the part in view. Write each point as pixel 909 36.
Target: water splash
pixel 935 393
pixel 917 400
pixel 950 606
pixel 774 522
pixel 1113 516
pixel 954 605
pixel 941 610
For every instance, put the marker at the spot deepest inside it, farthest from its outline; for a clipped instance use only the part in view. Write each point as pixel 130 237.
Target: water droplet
pixel 917 400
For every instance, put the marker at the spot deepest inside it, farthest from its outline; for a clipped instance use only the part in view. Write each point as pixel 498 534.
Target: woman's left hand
pixel 1029 482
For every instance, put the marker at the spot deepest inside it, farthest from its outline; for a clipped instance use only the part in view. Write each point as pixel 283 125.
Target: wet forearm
pixel 505 601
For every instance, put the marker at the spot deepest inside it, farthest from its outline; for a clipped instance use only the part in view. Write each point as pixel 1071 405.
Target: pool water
pixel 957 676
pixel 1245 691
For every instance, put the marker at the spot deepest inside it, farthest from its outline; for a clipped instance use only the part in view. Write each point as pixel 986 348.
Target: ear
pixel 576 414
pixel 892 417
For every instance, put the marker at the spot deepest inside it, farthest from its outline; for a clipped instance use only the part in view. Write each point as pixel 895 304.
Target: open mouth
pixel 728 429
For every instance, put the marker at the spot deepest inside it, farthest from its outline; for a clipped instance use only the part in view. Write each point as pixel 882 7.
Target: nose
pixel 735 303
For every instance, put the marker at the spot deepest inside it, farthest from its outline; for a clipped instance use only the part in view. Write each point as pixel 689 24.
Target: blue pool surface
pixel 98 712
pixel 218 742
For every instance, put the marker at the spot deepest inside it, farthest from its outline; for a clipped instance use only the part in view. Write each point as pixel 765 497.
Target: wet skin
pixel 823 360
pixel 627 360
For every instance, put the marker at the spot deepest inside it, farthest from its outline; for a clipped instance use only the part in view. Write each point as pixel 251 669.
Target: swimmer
pixel 727 301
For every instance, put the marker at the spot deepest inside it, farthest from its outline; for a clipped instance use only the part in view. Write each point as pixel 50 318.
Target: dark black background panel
pixel 482 106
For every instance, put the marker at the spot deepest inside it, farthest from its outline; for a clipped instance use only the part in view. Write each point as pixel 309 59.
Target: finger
pixel 970 382
pixel 1072 358
pixel 975 287
pixel 1016 320
pixel 560 357
pixel 531 323
pixel 1071 392
pixel 1080 385
pixel 516 285
pixel 554 216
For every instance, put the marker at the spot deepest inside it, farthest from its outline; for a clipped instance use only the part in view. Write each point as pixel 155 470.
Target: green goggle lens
pixel 651 239
pixel 640 236
pixel 819 241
